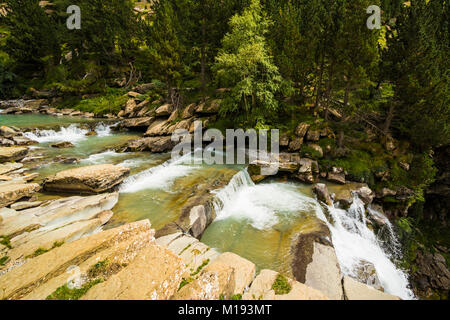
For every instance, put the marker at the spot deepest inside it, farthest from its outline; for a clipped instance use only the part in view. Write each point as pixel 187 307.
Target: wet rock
pixel 23 141
pixel 321 190
pixel 65 160
pixel 130 108
pixel 6 142
pixel 62 145
pixel 355 290
pixel 367 274
pixel 365 194
pixel 261 289
pixel 8 154
pixel 91 179
pixel 336 177
pixel 314 260
pixel 301 130
pixel 14 190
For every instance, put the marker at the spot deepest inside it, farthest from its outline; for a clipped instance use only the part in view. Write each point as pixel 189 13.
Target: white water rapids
pixel 72 133
pixel 262 204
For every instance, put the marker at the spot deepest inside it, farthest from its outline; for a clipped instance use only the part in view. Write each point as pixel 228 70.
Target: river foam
pixel 263 204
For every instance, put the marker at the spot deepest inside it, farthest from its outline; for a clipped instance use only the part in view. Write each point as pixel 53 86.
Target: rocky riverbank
pixel 69 231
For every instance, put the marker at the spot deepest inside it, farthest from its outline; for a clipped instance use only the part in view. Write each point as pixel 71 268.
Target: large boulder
pixel 152 144
pixel 153 272
pixel 14 190
pixel 164 110
pixel 137 123
pixel 158 128
pixel 189 111
pixel 87 180
pixel 8 154
pixel 245 270
pixel 314 260
pixel 321 190
pixel 355 290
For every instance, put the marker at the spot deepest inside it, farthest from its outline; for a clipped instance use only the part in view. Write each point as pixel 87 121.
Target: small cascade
pixel 263 205
pixel 159 177
pixel 103 130
pixel 355 242
pixel 71 133
pixel 102 157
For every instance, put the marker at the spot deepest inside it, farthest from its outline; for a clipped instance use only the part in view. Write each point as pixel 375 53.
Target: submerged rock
pixel 62 145
pixel 87 180
pixel 321 190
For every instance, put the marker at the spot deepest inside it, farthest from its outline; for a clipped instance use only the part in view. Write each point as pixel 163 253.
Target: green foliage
pixel 3 260
pixel 281 285
pixel 64 293
pixel 416 61
pixel 245 66
pixel 111 103
pixel 6 241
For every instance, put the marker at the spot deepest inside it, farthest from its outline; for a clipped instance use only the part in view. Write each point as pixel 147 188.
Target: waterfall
pixel 71 133
pixel 159 177
pixel 262 205
pixel 354 242
pixel 265 204
pixel 103 130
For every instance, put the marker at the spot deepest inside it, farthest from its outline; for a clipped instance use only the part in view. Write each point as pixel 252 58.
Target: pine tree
pixel 416 61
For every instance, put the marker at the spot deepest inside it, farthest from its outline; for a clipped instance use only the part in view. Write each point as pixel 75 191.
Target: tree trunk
pixel 328 92
pixel 203 58
pixel 388 121
pixel 319 84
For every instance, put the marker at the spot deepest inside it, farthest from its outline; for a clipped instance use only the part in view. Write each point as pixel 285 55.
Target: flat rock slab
pixel 40 276
pixel 26 205
pixel 12 191
pixel 57 213
pixel 87 180
pixel 8 154
pixel 261 288
pixel 8 167
pixel 155 274
pixel 355 290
